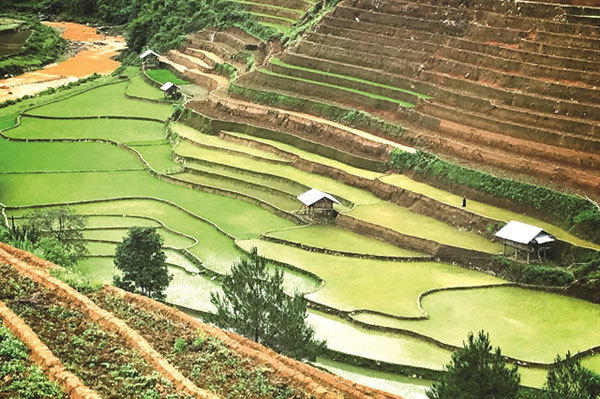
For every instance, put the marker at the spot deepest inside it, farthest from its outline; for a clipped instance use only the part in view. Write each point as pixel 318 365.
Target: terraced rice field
pixel 218 229
pixel 120 131
pixel 139 88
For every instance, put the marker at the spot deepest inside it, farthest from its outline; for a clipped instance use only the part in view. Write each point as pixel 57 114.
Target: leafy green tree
pixel 255 305
pixel 141 260
pixel 53 234
pixel 475 372
pixel 568 379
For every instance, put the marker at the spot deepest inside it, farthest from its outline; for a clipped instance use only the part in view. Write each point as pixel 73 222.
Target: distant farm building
pixel 150 59
pixel 525 238
pixel 318 203
pixel 171 90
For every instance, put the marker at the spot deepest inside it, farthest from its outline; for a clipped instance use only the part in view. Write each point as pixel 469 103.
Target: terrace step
pixel 303 5
pixel 208 57
pixel 392 65
pixel 414 9
pixel 521 68
pixel 362 27
pixel 274 10
pixel 559 51
pixel 188 61
pixel 316 89
pixel 279 199
pixel 444 143
pixel 583 153
pixel 440 26
pixel 514 80
pixel 356 71
pixel 342 81
pixel 517 55
pixel 203 41
pixel 512 98
pixel 574 41
pixel 274 19
pixel 408 50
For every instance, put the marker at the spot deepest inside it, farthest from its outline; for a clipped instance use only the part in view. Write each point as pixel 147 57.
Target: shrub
pixel 545 275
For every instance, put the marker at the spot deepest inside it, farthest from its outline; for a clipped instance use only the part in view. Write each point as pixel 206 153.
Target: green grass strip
pixel 260 14
pixel 281 28
pixel 362 93
pixel 277 61
pixel 274 7
pixel 164 76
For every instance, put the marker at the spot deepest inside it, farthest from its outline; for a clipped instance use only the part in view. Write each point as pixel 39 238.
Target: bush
pixel 571 212
pixel 546 275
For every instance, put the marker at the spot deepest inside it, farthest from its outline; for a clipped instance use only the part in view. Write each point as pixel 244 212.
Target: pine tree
pixel 568 379
pixel 476 372
pixel 141 260
pixel 255 305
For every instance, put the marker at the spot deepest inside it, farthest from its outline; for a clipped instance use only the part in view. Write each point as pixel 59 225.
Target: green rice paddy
pixel 115 104
pixel 214 141
pixel 309 156
pixel 340 240
pixel 549 323
pixel 396 285
pixel 289 172
pixel 276 182
pixel 164 76
pixel 276 199
pixel 406 222
pixel 158 156
pixel 138 87
pixel 118 234
pixel 118 130
pixel 38 157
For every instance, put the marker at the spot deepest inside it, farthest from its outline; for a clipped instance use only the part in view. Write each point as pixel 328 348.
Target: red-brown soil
pixel 94 57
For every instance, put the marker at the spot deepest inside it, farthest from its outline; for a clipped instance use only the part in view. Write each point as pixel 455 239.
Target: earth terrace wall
pixel 241 182
pixel 104 319
pixel 311 379
pixel 416 202
pixel 43 357
pixel 321 131
pixel 465 257
pixel 350 117
pixel 213 126
pixel 201 80
pixel 327 251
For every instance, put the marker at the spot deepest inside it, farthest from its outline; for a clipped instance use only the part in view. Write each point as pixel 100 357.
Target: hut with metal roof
pixel 525 238
pixel 150 59
pixel 171 90
pixel 318 203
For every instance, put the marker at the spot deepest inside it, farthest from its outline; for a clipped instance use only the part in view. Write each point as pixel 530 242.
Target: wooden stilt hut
pixel 525 238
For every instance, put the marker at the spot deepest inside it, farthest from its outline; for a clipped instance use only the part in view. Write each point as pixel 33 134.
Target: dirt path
pixel 94 56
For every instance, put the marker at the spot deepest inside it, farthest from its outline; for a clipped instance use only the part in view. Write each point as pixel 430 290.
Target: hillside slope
pixel 159 348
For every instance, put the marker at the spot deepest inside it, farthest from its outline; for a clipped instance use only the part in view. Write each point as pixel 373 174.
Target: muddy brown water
pixel 12 41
